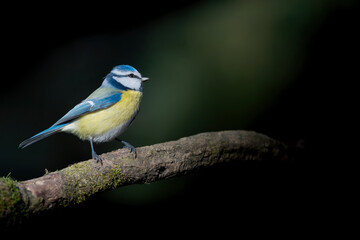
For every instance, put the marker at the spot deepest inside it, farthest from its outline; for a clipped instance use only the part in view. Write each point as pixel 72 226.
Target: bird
pixel 104 114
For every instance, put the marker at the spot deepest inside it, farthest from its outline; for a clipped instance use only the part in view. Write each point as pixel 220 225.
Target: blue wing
pixel 100 99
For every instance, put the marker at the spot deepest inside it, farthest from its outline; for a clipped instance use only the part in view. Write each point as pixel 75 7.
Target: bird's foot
pixel 93 153
pixel 129 146
pixel 96 157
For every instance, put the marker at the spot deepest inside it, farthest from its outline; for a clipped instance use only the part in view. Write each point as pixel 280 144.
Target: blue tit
pixel 105 114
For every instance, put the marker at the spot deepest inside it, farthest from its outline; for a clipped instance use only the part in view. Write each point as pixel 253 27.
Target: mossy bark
pixel 74 184
pixel 12 207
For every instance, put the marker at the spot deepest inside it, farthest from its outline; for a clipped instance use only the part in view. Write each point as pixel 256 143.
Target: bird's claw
pixel 129 146
pixel 97 158
pixel 132 149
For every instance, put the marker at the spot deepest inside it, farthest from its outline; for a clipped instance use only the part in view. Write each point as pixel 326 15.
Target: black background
pixel 319 108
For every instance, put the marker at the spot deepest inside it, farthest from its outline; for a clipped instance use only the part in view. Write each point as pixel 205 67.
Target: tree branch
pixel 74 184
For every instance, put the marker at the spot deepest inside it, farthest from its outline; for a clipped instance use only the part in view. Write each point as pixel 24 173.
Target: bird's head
pixel 125 77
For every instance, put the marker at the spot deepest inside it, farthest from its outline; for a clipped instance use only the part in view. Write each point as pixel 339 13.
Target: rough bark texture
pixel 77 182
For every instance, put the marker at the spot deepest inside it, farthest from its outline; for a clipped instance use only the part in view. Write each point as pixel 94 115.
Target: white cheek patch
pixel 132 83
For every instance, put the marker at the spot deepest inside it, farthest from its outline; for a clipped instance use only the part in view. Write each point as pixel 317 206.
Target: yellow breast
pixel 100 122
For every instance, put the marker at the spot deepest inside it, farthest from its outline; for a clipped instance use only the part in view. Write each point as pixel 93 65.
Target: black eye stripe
pixel 131 75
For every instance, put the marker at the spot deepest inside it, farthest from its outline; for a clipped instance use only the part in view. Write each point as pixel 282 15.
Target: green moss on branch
pixel 84 179
pixel 12 207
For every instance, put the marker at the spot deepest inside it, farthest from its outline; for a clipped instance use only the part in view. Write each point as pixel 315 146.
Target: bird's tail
pixel 42 135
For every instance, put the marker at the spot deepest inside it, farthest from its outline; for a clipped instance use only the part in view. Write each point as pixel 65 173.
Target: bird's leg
pixel 128 145
pixel 93 153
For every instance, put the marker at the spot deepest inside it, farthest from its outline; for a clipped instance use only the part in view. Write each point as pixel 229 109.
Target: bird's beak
pixel 144 79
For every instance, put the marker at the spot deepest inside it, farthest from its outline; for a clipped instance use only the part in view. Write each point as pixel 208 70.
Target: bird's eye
pixel 131 75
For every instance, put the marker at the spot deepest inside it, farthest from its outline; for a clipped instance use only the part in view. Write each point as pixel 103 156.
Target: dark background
pixel 283 68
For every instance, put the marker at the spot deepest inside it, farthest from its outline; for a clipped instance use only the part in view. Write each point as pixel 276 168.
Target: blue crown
pixel 125 68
